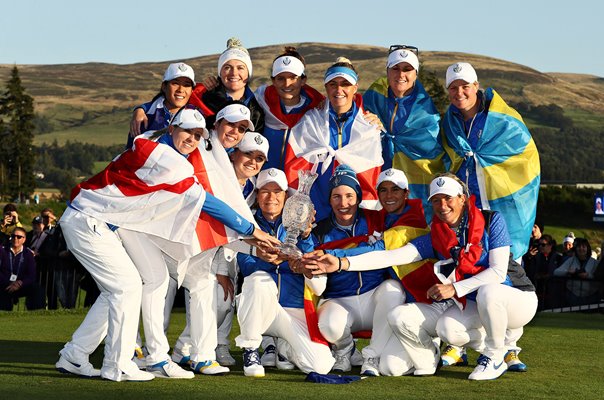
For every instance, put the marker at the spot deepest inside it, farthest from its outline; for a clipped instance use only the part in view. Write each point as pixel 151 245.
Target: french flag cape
pixel 309 144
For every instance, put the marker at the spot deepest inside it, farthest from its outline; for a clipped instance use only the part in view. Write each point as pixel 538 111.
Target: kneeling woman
pixel 149 190
pixel 272 295
pixel 474 249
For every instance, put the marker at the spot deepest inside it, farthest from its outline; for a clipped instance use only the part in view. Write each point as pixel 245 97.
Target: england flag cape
pixel 309 145
pixel 149 188
pixel 155 190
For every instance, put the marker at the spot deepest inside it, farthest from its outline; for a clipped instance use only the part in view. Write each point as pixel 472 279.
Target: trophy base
pixel 290 251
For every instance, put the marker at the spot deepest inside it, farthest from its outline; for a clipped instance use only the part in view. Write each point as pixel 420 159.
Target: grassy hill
pixel 92 102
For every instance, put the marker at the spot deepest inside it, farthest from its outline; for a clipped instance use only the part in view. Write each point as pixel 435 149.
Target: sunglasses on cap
pixel 396 47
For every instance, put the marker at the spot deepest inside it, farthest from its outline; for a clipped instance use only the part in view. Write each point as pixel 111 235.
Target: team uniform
pixel 151 183
pixel 323 139
pixel 272 303
pixel 411 141
pixel 280 119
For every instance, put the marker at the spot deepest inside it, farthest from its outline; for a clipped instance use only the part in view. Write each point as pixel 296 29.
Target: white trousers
pixel 340 317
pixel 493 324
pixel 225 310
pixel 259 313
pixel 150 263
pixel 201 330
pixel 114 315
pixel 414 324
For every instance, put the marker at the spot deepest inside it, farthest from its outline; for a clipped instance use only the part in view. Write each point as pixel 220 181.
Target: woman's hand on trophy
pixel 265 240
pixel 318 262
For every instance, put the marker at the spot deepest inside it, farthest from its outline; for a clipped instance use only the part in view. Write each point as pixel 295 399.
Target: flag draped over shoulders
pixel 412 139
pixel 507 166
pixel 309 144
pixel 215 173
pixel 419 276
pixel 274 117
pixel 149 188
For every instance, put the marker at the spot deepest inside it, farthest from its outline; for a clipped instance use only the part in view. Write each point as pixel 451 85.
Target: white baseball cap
pixel 253 141
pixel 176 70
pixel 395 176
pixel 460 70
pixel 271 175
pixel 288 64
pixel 189 118
pixel 235 51
pixel 399 56
pixel 445 185
pixel 236 113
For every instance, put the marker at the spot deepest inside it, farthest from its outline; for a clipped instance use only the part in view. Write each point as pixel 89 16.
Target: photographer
pixel 10 221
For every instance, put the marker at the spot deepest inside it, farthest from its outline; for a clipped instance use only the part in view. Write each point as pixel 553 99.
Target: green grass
pixel 585 119
pixel 563 352
pixel 107 129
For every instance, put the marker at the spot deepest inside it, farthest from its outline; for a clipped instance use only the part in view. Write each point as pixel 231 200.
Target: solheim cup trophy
pixel 297 214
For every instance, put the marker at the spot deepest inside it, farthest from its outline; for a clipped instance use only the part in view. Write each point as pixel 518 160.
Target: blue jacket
pixel 290 285
pixel 344 284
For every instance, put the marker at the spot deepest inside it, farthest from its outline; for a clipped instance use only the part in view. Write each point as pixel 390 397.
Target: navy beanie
pixel 344 175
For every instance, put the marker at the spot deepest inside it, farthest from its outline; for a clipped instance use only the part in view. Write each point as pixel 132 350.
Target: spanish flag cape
pixel 444 239
pixel 507 166
pixel 419 276
pixel 412 141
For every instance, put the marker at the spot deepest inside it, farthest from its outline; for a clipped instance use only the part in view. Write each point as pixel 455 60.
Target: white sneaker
pixel 371 367
pixel 169 369
pixel 342 363
pixel 208 367
pixel 84 369
pixel 487 369
pixel 223 355
pixel 269 356
pixel 138 376
pixel 251 363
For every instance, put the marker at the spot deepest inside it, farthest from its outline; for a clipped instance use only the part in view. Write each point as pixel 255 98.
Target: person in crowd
pixel 10 221
pixel 504 178
pixel 568 246
pixel 49 219
pixel 118 240
pixel 36 236
pixel 336 134
pixel 580 270
pixel 285 101
pixel 272 295
pixel 350 300
pixel 542 269
pixel 473 247
pixel 174 93
pixel 411 138
pixel 234 75
pixel 18 273
pixel 400 220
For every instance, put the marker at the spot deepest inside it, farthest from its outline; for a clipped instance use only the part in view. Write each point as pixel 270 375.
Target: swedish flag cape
pixel 506 164
pixel 412 141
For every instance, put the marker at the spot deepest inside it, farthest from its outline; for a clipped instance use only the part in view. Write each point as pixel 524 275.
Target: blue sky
pixel 550 36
